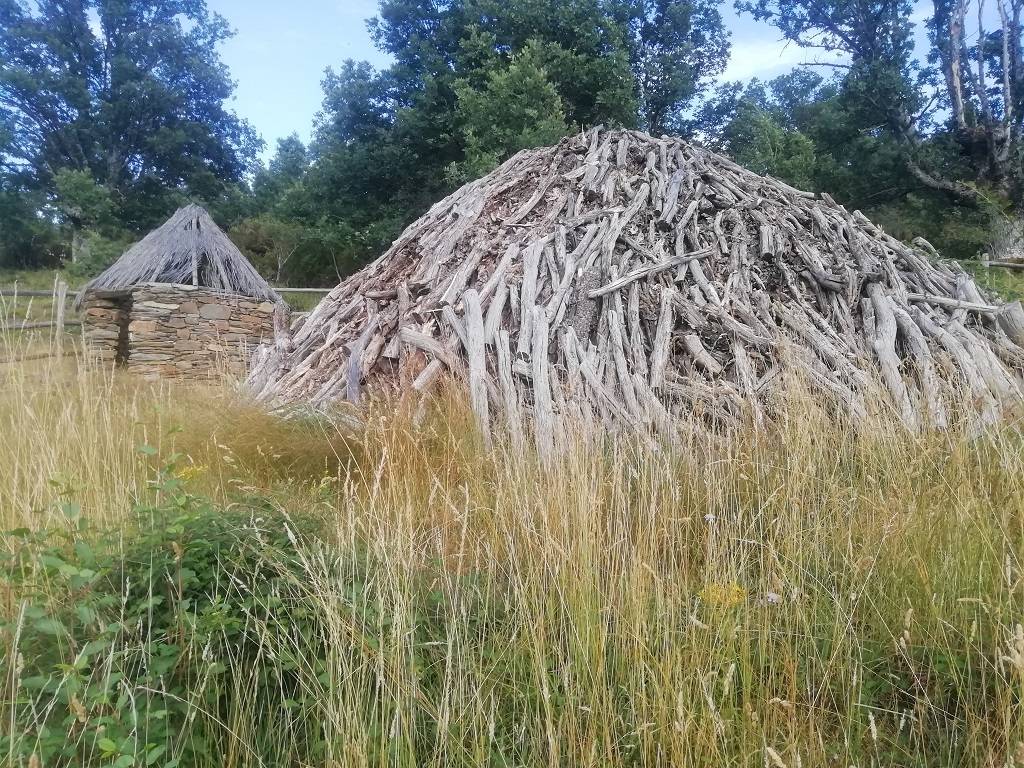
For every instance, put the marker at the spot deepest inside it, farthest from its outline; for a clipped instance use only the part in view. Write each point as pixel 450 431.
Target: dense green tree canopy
pixel 127 94
pixel 113 111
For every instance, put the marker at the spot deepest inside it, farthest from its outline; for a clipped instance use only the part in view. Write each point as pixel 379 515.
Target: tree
pixel 517 108
pixel 474 81
pixel 27 240
pixel 677 48
pixel 883 86
pixel 130 93
pixel 763 145
pixel 83 203
pixel 983 87
pixel 286 170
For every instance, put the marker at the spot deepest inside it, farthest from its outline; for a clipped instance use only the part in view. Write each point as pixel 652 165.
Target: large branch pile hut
pixel 183 303
pixel 633 279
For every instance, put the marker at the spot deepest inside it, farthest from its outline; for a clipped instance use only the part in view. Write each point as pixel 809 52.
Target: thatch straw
pixel 190 249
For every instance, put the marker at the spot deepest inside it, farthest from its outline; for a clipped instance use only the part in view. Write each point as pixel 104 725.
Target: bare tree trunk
pixel 986 108
pixel 1007 66
pixel 953 72
pixel 79 248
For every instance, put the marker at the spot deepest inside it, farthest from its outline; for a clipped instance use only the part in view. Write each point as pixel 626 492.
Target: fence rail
pixel 13 290
pixel 60 294
pixel 16 326
pixel 16 292
pixel 1003 264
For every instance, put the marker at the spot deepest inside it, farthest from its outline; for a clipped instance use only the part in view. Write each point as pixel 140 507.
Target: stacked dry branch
pixel 632 279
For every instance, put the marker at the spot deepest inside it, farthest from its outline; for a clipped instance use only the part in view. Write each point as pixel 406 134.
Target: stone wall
pixel 105 326
pixel 181 331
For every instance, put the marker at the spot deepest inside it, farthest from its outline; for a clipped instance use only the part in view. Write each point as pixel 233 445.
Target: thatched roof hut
pixel 182 302
pixel 188 249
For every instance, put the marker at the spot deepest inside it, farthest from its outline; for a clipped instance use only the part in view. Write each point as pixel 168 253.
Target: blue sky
pixel 281 49
pixel 279 54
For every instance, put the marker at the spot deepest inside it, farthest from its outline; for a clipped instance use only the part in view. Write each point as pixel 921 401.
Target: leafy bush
pixel 126 639
pixel 149 646
pixel 98 252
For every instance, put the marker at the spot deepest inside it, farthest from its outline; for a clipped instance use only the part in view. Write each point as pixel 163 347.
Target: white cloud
pixel 765 59
pixel 93 16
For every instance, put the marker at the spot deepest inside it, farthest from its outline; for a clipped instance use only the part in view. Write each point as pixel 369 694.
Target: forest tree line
pixel 114 112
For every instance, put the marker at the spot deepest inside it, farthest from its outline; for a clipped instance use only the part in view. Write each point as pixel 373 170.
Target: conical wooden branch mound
pixel 631 280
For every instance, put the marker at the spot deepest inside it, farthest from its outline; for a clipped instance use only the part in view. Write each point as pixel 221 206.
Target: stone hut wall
pixel 105 325
pixel 189 332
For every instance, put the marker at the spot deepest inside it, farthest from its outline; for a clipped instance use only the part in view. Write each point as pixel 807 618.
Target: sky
pixel 281 50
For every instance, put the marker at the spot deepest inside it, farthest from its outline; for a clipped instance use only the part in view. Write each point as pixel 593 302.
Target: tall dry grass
pixel 801 596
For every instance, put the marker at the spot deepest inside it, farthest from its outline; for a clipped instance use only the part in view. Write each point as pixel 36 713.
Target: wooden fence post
pixel 60 296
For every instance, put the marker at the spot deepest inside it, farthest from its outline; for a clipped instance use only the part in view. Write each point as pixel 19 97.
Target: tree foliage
pixel 112 112
pixel 518 107
pixel 119 100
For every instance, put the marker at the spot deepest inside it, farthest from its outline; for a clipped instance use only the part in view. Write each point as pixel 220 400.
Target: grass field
pixel 191 582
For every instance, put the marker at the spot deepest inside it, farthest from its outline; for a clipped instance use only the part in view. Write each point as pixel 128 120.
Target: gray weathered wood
pixel 544 417
pixel 477 361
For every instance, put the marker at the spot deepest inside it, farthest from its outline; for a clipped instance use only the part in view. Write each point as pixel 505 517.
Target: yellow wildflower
pixel 723 595
pixel 190 472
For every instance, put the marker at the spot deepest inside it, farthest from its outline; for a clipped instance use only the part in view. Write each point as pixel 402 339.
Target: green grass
pixel 302 302
pixel 1006 283
pixel 15 310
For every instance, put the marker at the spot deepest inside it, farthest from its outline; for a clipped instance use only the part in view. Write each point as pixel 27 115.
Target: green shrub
pixel 98 253
pixel 125 640
pixel 149 645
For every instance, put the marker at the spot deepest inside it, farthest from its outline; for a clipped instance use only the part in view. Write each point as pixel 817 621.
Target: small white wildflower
pixel 1015 650
pixel 774 758
pixel 291 536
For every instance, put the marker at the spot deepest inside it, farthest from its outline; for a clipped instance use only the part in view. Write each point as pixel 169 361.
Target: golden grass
pixel 809 595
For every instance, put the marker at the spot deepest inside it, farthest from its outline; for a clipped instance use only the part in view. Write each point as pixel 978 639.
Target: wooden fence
pixel 1002 264
pixel 59 324
pixel 60 295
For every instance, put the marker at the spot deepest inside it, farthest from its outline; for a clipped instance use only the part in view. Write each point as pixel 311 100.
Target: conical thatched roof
pixel 190 249
pixel 632 279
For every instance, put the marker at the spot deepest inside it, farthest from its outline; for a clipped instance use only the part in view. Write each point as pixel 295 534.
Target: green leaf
pixel 85 553
pixel 154 754
pixel 50 626
pixel 95 646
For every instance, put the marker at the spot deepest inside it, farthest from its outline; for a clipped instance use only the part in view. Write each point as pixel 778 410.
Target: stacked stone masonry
pixel 105 326
pixel 176 331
